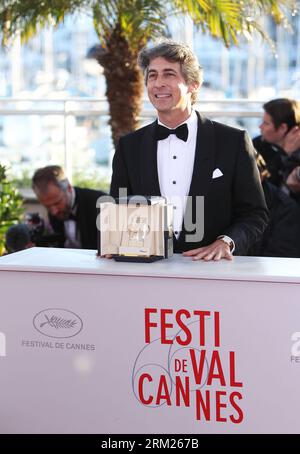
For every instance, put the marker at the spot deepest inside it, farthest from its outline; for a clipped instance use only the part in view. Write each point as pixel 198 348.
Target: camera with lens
pixel 36 227
pixel 32 232
pixel 38 232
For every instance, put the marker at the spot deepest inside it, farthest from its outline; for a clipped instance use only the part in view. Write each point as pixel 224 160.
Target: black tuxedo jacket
pixel 86 215
pixel 234 203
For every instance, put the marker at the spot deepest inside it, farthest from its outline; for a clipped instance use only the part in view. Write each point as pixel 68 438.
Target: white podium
pixel 89 345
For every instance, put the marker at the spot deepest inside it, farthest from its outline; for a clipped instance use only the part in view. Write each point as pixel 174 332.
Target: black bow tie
pixel 181 132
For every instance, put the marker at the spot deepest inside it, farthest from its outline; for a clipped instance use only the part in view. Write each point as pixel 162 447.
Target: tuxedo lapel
pixel 204 157
pixel 148 163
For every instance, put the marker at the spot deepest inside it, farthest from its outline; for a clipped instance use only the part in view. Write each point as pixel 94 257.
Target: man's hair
pixel 283 110
pixel 49 175
pixel 17 238
pixel 174 52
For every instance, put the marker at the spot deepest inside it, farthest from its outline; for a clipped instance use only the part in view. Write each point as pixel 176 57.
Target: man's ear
pixel 193 87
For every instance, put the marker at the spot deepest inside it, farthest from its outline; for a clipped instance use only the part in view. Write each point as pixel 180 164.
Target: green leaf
pixel 11 210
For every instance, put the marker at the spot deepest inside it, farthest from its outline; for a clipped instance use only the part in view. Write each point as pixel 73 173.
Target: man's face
pixel 167 89
pixel 270 133
pixel 56 201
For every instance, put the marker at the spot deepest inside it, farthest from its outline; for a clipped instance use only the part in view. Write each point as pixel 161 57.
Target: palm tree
pixel 125 26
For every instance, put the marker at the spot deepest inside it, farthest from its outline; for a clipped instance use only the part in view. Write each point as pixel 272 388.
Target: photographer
pixel 71 210
pixel 29 234
pixel 279 142
pixel 18 238
pixel 281 238
pixel 293 183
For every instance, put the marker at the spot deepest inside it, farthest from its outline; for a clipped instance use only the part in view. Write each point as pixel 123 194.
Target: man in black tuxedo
pixel 72 211
pixel 184 156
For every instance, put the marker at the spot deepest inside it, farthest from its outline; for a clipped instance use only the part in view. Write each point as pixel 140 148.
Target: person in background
pixel 72 211
pixel 32 232
pixel 293 183
pixel 18 238
pixel 279 142
pixel 282 236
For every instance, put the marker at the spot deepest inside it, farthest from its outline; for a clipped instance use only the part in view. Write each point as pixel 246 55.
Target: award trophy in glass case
pixel 136 229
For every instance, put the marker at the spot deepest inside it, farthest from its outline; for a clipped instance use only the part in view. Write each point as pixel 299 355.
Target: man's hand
pixel 293 182
pixel 292 141
pixel 216 251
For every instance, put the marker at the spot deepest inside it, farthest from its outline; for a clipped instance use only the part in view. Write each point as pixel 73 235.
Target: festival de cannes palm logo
pixel 57 323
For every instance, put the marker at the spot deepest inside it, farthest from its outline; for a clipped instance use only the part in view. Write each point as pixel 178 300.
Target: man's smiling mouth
pixel 162 96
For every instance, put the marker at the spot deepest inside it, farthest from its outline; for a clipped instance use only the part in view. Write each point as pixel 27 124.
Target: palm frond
pixel 139 20
pixel 229 19
pixel 27 16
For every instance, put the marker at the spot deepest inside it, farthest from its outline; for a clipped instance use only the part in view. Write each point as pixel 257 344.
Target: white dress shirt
pixel 175 163
pixel 72 233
